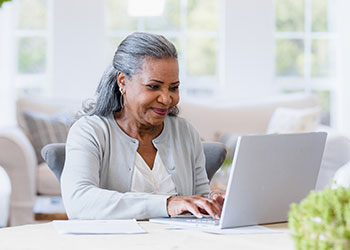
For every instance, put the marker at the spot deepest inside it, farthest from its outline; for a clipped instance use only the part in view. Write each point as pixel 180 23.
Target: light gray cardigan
pixel 99 164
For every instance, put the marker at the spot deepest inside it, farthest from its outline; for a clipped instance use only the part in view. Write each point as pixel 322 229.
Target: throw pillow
pixel 342 177
pixel 45 129
pixel 291 120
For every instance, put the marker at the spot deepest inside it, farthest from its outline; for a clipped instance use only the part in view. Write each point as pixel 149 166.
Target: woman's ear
pixel 121 80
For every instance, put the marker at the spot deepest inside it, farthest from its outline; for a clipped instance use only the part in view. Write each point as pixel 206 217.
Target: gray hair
pixel 128 59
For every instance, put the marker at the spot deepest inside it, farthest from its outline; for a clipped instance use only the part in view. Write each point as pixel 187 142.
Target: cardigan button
pixel 172 167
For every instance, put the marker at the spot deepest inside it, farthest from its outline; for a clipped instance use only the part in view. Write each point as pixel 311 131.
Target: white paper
pixel 98 227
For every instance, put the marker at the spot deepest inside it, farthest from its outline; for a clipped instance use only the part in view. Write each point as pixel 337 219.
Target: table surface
pixel 44 236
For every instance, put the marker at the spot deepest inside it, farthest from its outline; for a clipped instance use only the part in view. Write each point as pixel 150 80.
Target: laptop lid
pixel 269 172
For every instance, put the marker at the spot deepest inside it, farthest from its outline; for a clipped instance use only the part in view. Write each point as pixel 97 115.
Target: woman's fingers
pixel 218 196
pixel 193 209
pixel 220 199
pixel 177 205
pixel 210 206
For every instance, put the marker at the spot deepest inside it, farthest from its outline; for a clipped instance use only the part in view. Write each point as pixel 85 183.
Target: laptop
pixel 269 172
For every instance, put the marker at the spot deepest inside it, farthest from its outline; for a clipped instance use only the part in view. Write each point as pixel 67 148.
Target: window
pixel 192 25
pixel 305 47
pixel 32 46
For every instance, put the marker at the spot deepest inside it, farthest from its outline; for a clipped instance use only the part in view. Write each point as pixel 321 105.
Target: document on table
pixel 98 227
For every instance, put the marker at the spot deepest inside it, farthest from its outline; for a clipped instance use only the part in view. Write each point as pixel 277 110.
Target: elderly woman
pixel 131 156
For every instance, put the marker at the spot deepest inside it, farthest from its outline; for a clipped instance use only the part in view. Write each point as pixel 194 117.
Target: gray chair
pixel 54 155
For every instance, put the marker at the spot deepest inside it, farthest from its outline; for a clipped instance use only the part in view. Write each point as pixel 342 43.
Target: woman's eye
pixel 174 88
pixel 153 87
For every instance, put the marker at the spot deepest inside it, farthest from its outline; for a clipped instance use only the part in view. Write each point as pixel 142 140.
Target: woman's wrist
pixel 168 200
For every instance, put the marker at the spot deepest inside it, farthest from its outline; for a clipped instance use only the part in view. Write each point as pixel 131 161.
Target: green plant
pixel 227 162
pixel 322 220
pixel 2 1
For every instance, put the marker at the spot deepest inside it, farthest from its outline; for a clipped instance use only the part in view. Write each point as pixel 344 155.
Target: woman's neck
pixel 135 129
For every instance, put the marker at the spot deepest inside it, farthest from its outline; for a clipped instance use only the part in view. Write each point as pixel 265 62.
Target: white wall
pixel 7 99
pixel 78 48
pixel 79 43
pixel 249 57
pixel 78 60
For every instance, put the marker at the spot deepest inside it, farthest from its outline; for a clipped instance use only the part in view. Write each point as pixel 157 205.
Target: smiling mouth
pixel 160 111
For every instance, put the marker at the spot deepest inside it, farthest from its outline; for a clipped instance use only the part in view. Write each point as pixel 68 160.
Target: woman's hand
pixel 218 196
pixel 196 204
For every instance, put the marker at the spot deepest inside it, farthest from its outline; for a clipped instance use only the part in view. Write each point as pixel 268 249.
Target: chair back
pixel 54 154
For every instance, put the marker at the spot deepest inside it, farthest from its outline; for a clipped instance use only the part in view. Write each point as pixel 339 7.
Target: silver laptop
pixel 269 172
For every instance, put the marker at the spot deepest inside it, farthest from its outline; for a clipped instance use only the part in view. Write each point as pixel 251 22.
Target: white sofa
pixel 253 117
pixel 216 118
pixel 28 178
pixel 5 194
pixel 212 121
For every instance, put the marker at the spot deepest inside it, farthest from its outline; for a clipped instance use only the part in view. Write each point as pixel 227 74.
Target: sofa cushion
pixel 46 181
pixel 342 177
pixel 214 118
pixel 291 120
pixel 45 106
pixel 45 129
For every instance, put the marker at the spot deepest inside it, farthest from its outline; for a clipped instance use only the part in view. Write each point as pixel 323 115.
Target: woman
pixel 131 156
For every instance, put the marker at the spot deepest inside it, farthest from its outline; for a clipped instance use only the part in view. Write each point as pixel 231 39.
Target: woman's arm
pixel 80 183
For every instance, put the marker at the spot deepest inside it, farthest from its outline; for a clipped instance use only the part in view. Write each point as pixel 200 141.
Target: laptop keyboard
pixel 205 220
pixel 189 220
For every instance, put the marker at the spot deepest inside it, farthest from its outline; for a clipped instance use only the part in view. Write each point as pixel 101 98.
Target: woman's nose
pixel 165 97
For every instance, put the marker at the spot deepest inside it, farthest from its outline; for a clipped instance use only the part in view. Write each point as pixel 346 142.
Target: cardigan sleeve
pixel 80 182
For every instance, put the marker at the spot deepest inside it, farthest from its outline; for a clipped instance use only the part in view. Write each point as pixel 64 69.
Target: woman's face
pixel 152 93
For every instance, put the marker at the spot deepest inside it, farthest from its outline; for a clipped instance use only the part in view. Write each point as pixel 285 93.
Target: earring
pixel 121 100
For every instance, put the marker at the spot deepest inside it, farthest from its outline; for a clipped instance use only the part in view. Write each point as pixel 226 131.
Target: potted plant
pixel 322 220
pixel 2 1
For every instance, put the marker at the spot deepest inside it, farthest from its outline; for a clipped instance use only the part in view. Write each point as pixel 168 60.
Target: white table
pixel 44 236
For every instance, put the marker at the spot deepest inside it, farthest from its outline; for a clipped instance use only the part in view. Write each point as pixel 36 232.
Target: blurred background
pixel 229 50
pixel 246 66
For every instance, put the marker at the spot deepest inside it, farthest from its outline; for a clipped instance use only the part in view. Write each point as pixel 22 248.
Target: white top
pixel 156 180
